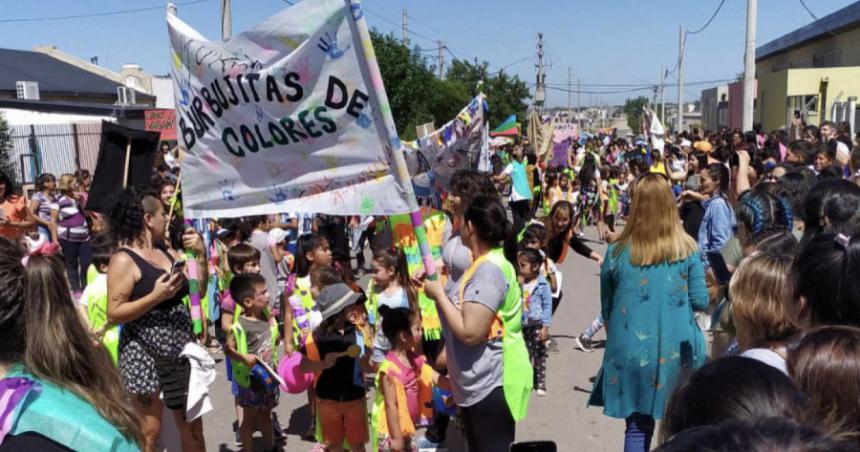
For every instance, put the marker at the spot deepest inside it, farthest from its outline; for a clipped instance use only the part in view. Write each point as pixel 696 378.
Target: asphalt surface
pixel 560 416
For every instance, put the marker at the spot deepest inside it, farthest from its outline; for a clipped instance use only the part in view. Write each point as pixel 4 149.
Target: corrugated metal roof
pixel 52 74
pixel 847 17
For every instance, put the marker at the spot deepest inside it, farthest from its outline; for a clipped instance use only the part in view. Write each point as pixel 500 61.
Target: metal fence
pixel 54 148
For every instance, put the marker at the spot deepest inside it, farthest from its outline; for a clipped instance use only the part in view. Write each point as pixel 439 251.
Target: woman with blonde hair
pixel 70 229
pixel 651 281
pixel 763 307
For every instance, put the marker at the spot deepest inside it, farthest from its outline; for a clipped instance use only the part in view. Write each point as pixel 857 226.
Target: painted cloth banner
pixel 455 145
pixel 564 133
pixel 284 118
pixel 654 129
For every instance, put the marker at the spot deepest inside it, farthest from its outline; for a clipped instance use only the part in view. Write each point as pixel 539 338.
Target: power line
pixel 817 20
pixel 100 14
pixel 709 20
pixel 642 85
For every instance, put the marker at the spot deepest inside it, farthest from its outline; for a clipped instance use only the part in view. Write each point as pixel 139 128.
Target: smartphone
pixel 718 265
pixel 534 446
pixel 177 267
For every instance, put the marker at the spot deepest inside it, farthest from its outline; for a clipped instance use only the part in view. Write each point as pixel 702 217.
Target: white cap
pixel 277 235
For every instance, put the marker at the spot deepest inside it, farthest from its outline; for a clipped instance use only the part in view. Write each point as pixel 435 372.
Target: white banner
pixel 285 117
pixel 456 145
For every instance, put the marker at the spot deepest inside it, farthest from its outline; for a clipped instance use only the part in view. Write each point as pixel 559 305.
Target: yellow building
pixel 813 71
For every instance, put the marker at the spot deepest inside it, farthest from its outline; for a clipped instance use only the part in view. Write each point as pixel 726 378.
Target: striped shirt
pixel 71 222
pixel 43 210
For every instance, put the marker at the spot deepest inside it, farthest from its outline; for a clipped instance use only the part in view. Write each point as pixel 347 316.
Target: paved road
pixel 561 416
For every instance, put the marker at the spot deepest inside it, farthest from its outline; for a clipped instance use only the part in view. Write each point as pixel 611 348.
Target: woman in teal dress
pixel 651 281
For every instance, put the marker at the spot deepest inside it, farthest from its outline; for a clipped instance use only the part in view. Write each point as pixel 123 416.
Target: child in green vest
pixel 94 298
pixel 252 340
pixel 242 258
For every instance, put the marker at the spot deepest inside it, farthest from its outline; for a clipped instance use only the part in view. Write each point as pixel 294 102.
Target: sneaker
pixel 541 392
pixel 237 440
pixel 277 431
pixel 583 343
pixel 426 445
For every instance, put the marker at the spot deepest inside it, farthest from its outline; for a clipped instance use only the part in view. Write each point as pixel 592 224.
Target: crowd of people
pixel 746 239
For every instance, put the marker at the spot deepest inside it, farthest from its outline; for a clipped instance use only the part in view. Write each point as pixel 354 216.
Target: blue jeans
pixel 637 435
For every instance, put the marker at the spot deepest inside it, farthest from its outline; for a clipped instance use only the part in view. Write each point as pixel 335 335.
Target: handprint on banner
pixel 329 46
pixel 278 194
pixel 260 113
pixel 184 90
pixel 357 13
pixel 363 121
pixel 226 188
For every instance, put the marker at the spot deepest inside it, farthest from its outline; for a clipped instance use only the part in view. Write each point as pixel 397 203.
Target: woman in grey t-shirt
pixel 475 363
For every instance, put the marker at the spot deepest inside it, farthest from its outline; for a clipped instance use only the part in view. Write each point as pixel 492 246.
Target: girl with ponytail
pixel 488 362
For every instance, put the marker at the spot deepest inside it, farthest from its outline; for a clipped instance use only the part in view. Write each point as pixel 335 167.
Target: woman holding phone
pixel 145 290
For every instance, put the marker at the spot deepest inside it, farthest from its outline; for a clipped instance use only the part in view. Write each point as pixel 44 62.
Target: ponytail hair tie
pixel 842 240
pixel 45 249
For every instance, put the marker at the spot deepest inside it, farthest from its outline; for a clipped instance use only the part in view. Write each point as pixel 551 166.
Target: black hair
pixel 11 188
pixel 396 321
pixel 586 173
pixel 163 167
pixel 305 244
pixel 240 254
pixel 825 275
pixel 491 225
pixel 532 256
pixel 126 218
pixel 831 172
pixel 804 149
pixel 469 184
pixel 257 220
pixel 231 228
pixel 758 435
pixel 244 286
pixel 535 232
pixel 103 246
pixel 13 284
pixel 780 244
pixel 793 187
pixel 731 388
pixel 42 178
pixel 720 174
pixel 832 206
pixel 763 214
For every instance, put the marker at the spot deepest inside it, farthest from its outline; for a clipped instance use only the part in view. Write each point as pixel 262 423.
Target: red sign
pixel 161 120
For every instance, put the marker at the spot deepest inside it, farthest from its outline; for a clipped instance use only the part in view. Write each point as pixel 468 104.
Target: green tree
pixel 6 149
pixel 416 96
pixel 633 108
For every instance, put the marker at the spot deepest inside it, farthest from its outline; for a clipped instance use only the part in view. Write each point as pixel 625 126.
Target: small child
pixel 537 313
pixel 253 339
pixel 312 252
pixel 335 353
pixel 404 384
pixel 94 298
pixel 535 237
pixel 391 288
pixel 242 258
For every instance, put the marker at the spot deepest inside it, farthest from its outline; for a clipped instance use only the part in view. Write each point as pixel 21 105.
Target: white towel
pixel 202 376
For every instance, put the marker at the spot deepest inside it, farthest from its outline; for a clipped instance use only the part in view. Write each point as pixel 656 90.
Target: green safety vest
pixel 517 373
pixel 97 315
pixel 241 372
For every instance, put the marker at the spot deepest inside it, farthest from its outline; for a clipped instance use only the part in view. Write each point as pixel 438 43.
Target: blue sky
pixel 605 42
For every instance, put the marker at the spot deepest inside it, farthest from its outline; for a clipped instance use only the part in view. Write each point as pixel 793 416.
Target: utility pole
pixel 569 92
pixel 540 90
pixel 404 20
pixel 749 67
pixel 662 100
pixel 226 20
pixel 441 60
pixel 680 124
pixel 579 103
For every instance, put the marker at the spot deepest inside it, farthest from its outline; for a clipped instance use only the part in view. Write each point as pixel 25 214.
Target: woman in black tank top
pixel 147 300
